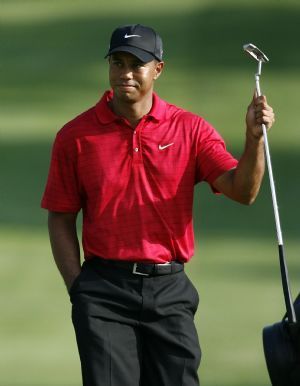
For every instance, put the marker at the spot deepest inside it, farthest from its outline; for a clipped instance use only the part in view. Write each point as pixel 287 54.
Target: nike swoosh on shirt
pixel 162 147
pixel 131 36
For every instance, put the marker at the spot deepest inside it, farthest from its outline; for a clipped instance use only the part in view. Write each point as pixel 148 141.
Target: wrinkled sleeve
pixel 212 157
pixel 62 188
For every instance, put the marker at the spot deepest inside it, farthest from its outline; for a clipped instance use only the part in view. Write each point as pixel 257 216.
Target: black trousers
pixel 135 330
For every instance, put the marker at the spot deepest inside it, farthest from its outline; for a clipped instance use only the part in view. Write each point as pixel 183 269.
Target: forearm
pixel 242 183
pixel 65 245
pixel 248 175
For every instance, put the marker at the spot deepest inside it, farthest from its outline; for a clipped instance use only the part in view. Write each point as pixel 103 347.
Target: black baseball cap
pixel 139 40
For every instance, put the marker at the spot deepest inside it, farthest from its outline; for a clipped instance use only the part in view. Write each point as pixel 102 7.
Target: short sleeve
pixel 212 157
pixel 62 188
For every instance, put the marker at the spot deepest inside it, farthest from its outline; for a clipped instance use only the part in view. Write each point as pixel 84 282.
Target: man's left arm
pixel 242 183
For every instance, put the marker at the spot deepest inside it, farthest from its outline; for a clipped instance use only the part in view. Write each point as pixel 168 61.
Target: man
pixel 130 164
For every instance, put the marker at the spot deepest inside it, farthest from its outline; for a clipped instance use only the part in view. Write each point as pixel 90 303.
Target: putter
pixel 281 340
pixel 261 58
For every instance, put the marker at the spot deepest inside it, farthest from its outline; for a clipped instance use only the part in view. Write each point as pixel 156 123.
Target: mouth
pixel 126 86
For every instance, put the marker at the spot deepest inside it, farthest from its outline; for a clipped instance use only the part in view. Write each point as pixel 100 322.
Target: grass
pixel 239 294
pixel 54 69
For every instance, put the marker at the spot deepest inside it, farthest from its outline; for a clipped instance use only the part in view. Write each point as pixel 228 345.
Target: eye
pixel 116 62
pixel 138 65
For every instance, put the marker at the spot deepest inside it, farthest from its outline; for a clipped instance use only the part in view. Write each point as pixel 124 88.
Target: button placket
pixel 136 143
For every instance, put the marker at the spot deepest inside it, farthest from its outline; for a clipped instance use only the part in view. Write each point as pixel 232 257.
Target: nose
pixel 126 73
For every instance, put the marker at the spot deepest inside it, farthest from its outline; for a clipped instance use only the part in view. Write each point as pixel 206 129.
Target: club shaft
pixel 283 266
pixel 270 171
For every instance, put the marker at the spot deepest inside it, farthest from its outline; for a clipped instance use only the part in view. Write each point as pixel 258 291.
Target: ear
pixel 158 69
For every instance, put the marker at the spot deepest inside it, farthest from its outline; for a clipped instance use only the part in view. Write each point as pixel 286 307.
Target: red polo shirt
pixel 134 186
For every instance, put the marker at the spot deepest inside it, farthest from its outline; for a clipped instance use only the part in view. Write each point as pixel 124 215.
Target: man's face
pixel 130 78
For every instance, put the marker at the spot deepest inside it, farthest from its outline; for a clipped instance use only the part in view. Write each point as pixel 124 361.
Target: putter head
pixel 255 52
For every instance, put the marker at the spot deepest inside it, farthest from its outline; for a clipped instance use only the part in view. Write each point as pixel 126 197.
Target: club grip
pixel 286 287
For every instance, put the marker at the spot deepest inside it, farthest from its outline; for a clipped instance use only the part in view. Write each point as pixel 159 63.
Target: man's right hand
pixel 65 245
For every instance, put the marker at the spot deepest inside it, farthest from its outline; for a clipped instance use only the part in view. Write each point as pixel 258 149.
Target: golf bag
pixel 282 350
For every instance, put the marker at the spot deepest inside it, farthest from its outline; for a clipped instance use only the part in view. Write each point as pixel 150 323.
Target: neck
pixel 132 111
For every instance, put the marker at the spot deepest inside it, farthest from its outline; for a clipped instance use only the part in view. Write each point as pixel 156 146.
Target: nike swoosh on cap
pixel 131 36
pixel 162 147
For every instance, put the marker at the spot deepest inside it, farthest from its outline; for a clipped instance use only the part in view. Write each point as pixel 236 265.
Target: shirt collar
pixel 106 115
pixel 158 110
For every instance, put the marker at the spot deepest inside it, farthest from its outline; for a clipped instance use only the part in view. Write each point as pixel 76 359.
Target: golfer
pixel 130 164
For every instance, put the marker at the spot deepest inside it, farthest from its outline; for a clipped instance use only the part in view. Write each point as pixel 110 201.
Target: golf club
pixel 260 57
pixel 281 340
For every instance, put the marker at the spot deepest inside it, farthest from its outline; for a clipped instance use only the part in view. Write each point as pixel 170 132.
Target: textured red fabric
pixel 134 186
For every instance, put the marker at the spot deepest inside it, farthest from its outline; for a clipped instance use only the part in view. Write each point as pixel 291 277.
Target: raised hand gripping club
pixel 261 58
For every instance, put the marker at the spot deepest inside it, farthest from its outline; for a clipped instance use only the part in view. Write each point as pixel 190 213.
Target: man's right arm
pixel 65 245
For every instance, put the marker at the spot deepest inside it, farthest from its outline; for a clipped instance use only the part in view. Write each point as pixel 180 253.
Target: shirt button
pixel 136 149
pixel 134 132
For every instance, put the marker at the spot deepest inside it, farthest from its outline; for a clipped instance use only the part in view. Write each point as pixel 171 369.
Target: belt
pixel 143 269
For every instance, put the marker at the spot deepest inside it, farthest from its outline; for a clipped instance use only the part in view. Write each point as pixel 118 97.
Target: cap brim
pixel 144 56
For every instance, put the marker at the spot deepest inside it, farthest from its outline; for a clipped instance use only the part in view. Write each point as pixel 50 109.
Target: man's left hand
pixel 259 112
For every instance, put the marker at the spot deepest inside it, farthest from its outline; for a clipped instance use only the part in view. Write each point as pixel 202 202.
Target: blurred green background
pixel 52 68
